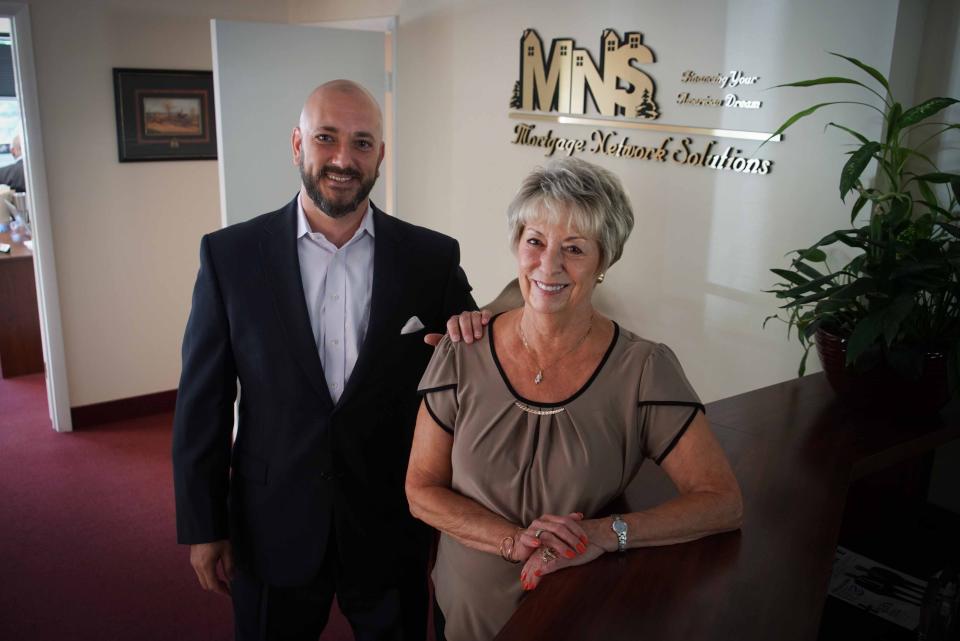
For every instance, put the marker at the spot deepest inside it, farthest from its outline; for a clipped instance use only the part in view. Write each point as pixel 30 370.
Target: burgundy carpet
pixel 87 538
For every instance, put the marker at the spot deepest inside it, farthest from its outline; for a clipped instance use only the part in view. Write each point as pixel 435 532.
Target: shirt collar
pixel 303 226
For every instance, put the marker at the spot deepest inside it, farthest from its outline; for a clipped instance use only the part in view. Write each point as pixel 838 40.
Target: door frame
pixel 44 261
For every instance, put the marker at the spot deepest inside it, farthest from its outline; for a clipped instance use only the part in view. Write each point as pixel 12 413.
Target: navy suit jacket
pixel 303 467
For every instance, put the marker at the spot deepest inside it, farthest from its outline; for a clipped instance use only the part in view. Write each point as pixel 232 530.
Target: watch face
pixel 620 527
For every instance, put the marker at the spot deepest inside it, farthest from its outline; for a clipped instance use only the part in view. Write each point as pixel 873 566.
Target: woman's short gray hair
pixel 589 198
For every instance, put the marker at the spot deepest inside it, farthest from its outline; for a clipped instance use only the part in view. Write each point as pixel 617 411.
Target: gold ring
pixel 547 555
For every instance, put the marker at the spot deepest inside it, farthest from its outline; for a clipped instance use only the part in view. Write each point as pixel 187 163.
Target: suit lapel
pixel 279 249
pixel 387 280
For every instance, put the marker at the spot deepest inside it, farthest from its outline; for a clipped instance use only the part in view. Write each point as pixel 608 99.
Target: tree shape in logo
pixel 515 101
pixel 647 108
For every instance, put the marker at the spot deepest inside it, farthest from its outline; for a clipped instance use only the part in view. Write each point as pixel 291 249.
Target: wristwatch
pixel 619 528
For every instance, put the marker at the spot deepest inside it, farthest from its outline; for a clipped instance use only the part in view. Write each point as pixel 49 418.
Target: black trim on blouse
pixel 676 439
pixel 443 426
pixel 674 404
pixel 596 372
pixel 441 388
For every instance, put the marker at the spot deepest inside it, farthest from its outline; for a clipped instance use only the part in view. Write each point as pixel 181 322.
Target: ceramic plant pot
pixel 880 388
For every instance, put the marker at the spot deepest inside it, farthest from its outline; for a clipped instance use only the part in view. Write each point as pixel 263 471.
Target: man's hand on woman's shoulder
pixel 466 326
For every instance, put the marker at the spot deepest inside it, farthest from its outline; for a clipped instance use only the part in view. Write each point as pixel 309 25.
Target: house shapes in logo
pixel 563 81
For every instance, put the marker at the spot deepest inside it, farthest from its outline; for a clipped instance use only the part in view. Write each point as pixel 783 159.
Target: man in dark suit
pixel 12 174
pixel 319 310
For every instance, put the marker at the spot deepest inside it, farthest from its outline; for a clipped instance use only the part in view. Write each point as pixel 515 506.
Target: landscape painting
pixel 164 115
pixel 169 116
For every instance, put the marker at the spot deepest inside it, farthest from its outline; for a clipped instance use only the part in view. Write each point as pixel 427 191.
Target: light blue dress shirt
pixel 337 286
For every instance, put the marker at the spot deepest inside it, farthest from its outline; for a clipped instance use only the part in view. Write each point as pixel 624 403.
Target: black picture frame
pixel 164 115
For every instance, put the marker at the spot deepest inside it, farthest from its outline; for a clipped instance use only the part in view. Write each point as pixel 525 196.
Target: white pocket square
pixel 411 326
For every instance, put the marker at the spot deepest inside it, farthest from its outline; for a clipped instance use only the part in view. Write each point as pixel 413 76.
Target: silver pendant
pixel 539 377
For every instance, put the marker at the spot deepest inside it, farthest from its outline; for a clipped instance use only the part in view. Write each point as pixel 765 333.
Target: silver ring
pixel 537 534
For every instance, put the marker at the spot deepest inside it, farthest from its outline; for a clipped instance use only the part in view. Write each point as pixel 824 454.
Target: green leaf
pixel 806 269
pixel 923 157
pixel 894 316
pixel 795 117
pixel 769 318
pixel 826 80
pixel 867 331
pixel 809 299
pixel 938 177
pixel 856 265
pixel 831 305
pixel 911 269
pixel 803 362
pixel 812 328
pixel 892 120
pixel 793 277
pixel 857 288
pixel 853 133
pixel 953 229
pixel 924 110
pixel 928 196
pixel 809 286
pixel 813 255
pixel 870 70
pixel 899 214
pixel 857 162
pixel 857 206
pixel 845 236
pixel 943 212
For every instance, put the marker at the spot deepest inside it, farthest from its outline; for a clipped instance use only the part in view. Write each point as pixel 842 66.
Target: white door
pixel 262 75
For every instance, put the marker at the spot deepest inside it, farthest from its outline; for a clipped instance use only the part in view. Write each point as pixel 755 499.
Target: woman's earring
pixel 600 277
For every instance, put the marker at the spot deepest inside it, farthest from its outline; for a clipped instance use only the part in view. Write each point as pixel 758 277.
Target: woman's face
pixel 557 266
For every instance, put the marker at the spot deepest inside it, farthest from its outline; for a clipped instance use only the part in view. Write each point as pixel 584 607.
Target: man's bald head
pixel 341 88
pixel 338 147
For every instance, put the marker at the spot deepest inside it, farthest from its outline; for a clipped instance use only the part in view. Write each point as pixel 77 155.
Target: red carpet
pixel 87 538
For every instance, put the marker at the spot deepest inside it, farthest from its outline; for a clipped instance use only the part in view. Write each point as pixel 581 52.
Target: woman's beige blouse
pixel 522 459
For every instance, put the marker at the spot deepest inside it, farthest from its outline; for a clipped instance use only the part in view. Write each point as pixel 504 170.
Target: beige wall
pixel 126 236
pixel 694 271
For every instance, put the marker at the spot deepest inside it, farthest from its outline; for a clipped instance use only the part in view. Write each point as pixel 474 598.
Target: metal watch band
pixel 621 532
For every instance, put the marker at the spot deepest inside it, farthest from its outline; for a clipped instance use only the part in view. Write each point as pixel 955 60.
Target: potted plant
pixel 887 322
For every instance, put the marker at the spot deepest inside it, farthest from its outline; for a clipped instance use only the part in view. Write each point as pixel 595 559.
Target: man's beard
pixel 330 208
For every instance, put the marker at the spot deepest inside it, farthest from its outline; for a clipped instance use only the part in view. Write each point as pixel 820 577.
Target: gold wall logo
pixel 563 80
pixel 557 86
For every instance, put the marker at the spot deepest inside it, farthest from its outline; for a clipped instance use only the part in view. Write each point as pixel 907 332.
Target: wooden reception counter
pixel 21 351
pixel 795 450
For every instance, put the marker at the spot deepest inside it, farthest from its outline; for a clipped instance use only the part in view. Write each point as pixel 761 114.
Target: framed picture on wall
pixel 164 115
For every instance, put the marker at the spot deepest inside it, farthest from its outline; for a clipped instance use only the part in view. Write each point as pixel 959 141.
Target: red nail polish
pixel 581 548
pixel 536 543
pixel 583 539
pixel 537 573
pixel 569 554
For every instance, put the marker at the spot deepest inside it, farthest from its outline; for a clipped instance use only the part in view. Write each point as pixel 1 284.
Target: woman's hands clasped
pixel 554 542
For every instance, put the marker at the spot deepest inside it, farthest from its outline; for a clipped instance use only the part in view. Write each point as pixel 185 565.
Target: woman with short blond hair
pixel 525 437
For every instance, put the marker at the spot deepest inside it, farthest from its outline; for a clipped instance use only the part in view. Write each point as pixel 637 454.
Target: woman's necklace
pixel 540 368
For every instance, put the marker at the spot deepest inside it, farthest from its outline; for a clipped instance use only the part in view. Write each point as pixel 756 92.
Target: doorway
pixel 28 228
